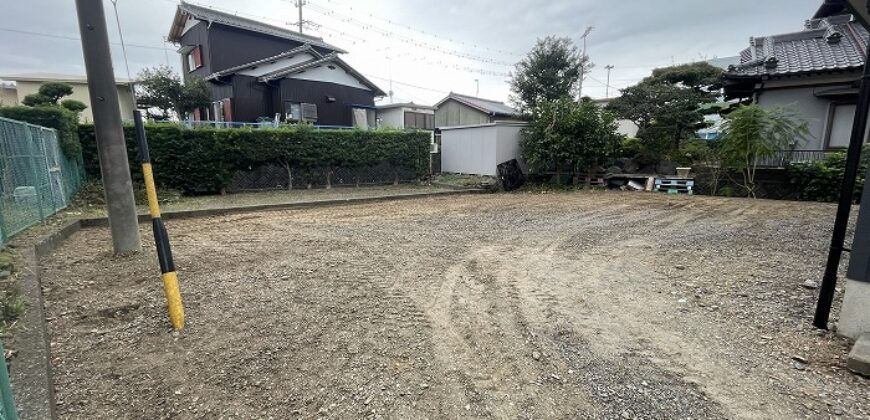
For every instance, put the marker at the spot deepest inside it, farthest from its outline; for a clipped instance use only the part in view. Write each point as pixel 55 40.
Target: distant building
pixel 458 110
pixel 255 70
pixel 626 127
pixel 8 94
pixel 406 115
pixel 816 71
pixel 26 84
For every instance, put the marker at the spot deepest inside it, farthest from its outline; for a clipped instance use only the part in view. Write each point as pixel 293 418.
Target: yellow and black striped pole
pixel 161 238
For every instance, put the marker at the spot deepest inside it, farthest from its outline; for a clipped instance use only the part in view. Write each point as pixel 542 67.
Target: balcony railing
pixel 785 157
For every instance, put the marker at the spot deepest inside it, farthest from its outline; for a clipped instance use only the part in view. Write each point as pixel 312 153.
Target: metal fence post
pixel 33 166
pixel 9 412
pixel 43 138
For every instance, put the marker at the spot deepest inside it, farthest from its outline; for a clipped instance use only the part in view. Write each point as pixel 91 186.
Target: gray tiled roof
pixel 835 43
pixel 485 105
pixel 216 16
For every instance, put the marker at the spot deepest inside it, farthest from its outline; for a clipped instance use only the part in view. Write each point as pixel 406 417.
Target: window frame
pixel 194 59
pixel 829 124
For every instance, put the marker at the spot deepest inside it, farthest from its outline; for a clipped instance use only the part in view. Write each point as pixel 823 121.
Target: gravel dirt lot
pixel 580 305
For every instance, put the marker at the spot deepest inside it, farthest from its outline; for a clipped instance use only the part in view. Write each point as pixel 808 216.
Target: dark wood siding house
pixel 255 70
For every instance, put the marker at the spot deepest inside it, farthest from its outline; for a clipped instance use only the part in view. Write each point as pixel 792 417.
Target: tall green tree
pixel 567 134
pixel 550 71
pixel 160 89
pixel 751 133
pixel 667 106
pixel 50 93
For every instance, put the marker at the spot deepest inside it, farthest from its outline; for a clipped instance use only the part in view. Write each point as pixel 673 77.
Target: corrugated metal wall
pixel 478 150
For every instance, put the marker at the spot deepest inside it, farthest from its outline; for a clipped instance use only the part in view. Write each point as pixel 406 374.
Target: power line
pixel 70 38
pixel 466 44
pixel 468 69
pixel 391 35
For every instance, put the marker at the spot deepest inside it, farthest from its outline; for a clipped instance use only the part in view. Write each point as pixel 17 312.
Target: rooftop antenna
pixel 166 50
pixel 300 4
pixel 584 63
pixel 607 87
pixel 390 63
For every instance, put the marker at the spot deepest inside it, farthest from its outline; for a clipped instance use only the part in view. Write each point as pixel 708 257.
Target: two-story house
pixel 255 70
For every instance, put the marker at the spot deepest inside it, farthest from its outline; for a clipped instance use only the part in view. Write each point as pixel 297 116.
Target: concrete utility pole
pixel 583 67
pixel 111 146
pixel 299 4
pixel 607 88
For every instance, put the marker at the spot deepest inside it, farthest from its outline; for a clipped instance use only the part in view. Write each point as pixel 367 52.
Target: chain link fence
pixel 36 179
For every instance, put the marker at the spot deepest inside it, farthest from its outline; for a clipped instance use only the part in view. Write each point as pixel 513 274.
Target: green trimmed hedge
pixel 204 160
pixel 56 117
pixel 821 181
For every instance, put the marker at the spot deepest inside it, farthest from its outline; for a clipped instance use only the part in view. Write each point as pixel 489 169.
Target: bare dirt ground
pixel 580 305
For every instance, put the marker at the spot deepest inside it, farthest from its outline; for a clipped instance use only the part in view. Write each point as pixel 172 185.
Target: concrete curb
pixel 189 214
pixel 859 358
pixel 31 373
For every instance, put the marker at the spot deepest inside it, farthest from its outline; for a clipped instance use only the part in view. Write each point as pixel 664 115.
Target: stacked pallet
pixel 675 185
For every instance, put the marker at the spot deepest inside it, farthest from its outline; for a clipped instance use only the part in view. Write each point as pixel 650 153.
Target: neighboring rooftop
pixel 54 77
pixel 305 48
pixel 187 10
pixel 405 105
pixel 488 106
pixel 724 62
pixel 828 44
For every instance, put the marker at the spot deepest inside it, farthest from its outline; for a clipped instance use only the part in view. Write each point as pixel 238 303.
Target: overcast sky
pixel 431 47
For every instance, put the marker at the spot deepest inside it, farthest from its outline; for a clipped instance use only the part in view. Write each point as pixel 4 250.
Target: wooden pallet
pixel 675 186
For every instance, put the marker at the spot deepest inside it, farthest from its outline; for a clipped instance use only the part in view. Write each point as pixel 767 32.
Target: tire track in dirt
pixel 485 346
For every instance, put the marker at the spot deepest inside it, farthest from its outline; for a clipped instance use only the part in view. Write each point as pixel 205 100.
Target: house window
pixel 419 120
pixel 300 112
pixel 840 124
pixel 194 58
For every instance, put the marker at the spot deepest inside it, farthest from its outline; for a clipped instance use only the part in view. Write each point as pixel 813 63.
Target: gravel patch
pixel 583 305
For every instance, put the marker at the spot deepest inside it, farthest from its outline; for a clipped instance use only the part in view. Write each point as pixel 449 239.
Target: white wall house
pixel 26 84
pixel 479 149
pixel 406 115
pixel 626 127
pixel 814 71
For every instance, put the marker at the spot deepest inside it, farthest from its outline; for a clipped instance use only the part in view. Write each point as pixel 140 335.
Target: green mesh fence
pixel 36 179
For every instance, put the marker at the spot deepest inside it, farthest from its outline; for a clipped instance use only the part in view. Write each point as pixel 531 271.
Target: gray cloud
pixel 633 35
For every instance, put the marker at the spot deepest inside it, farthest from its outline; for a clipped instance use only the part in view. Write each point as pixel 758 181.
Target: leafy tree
pixel 698 76
pixel 751 133
pixel 567 133
pixel 161 89
pixel 549 72
pixel 668 105
pixel 73 105
pixel 55 90
pixel 36 99
pixel 51 92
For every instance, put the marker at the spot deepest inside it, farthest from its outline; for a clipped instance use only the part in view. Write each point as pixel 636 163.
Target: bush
pixel 821 181
pixel 693 152
pixel 60 119
pixel 204 160
pixel 568 135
